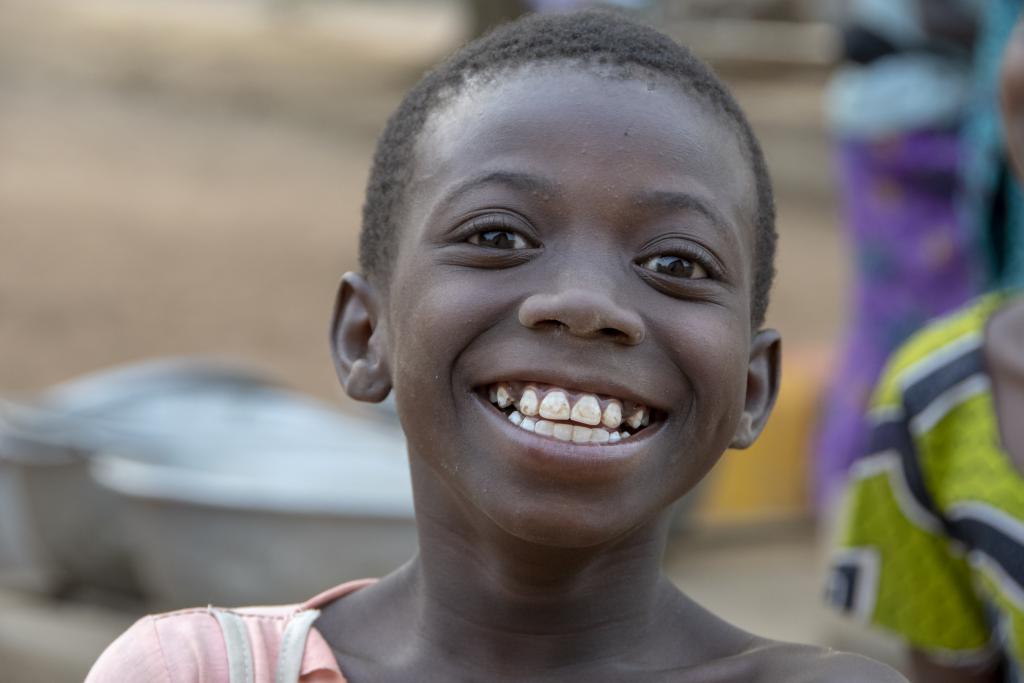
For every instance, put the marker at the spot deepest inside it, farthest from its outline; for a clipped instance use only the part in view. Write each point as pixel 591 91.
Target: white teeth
pixel 502 397
pixel 544 428
pixel 612 416
pixel 528 402
pixel 587 410
pixel 563 432
pixel 581 434
pixel 555 406
pixel 636 419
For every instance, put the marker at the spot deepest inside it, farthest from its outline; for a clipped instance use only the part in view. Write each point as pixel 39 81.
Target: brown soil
pixel 188 180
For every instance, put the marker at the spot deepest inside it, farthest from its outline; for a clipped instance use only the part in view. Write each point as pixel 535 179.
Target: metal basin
pixel 58 529
pixel 265 527
pixel 217 484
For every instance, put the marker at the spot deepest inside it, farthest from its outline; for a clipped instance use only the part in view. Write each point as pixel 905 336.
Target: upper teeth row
pixel 555 405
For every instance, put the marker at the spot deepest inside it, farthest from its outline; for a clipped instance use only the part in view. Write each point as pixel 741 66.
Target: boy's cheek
pixel 436 320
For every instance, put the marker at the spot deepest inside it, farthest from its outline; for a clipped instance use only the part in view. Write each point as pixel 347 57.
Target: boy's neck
pixel 475 577
pixel 481 600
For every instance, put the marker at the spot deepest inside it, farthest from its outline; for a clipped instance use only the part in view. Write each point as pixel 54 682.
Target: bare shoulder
pixel 733 654
pixel 790 663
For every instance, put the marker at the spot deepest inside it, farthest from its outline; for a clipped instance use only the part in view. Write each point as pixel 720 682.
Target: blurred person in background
pixel 932 544
pixel 896 107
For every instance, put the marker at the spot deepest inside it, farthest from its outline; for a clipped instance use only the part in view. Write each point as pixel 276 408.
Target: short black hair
pixel 599 38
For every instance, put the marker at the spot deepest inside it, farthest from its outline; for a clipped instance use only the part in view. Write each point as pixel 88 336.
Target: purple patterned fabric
pixel 914 261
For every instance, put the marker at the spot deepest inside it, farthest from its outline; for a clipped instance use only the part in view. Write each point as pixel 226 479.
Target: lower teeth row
pixel 566 432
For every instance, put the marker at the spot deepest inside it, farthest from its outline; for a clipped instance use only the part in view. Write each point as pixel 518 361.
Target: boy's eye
pixel 499 239
pixel 676 266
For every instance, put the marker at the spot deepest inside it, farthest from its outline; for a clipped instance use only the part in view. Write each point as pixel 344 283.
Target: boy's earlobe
pixel 359 341
pixel 763 372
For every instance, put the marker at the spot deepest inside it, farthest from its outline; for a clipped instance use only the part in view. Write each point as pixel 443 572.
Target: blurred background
pixel 183 179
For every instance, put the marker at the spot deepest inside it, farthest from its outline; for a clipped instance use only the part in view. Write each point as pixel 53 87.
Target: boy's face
pixel 584 234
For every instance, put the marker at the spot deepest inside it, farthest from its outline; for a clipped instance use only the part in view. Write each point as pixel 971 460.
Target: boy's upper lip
pixel 583 379
pixel 598 366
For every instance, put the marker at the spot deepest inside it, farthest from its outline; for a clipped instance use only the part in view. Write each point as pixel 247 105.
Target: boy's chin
pixel 570 527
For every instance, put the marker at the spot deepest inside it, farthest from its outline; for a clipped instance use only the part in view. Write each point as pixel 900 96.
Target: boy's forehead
pixel 634 131
pixel 542 89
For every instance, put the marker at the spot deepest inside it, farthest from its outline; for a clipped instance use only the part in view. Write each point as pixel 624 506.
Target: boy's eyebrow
pixel 666 200
pixel 682 201
pixel 525 182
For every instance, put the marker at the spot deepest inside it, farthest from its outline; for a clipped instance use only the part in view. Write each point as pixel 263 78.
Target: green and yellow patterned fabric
pixel 932 537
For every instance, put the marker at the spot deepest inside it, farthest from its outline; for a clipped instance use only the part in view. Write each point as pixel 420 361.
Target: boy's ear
pixel 359 341
pixel 762 387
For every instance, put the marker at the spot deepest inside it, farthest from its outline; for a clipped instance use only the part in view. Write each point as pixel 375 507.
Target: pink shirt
pixel 188 646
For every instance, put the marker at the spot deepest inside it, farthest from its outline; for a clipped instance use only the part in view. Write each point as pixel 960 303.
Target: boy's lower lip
pixel 565 456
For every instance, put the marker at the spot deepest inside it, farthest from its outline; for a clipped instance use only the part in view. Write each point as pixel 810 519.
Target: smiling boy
pixel 567 250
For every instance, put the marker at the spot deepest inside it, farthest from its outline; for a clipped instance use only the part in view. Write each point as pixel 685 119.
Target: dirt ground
pixel 186 178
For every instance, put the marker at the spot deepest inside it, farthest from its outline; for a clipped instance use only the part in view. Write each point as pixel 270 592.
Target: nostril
pixel 550 324
pixel 613 333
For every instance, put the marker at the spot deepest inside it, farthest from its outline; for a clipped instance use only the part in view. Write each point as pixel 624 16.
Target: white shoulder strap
pixel 236 641
pixel 293 646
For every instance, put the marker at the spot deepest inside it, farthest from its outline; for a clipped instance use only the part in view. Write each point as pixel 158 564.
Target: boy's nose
pixel 582 313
